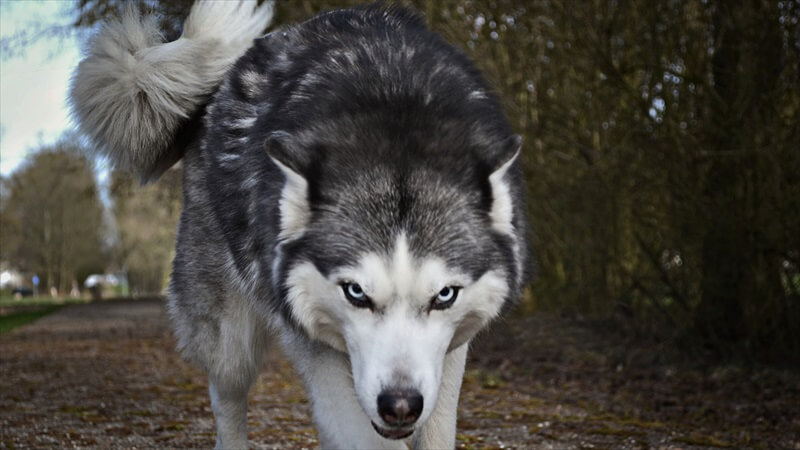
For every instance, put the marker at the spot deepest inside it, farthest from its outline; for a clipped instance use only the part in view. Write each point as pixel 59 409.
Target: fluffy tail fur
pixel 134 92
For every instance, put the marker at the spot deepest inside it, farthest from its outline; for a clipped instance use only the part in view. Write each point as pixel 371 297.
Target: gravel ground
pixel 105 375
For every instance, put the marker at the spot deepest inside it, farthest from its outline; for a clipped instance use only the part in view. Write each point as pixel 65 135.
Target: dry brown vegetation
pixel 105 375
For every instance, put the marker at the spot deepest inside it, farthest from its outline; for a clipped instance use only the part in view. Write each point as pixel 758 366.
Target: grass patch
pixel 9 301
pixel 14 320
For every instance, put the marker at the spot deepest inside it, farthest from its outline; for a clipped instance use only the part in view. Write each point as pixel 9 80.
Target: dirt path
pixel 105 375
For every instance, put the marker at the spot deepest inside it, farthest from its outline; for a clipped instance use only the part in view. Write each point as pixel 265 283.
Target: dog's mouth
pixel 393 433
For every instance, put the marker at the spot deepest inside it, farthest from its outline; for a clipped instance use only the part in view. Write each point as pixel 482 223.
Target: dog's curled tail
pixel 134 92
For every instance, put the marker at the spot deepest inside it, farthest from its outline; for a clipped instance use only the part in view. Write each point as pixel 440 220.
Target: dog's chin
pixel 393 433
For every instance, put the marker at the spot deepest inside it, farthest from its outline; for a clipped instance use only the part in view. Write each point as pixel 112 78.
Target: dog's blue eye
pixel 354 290
pixel 356 295
pixel 446 294
pixel 445 298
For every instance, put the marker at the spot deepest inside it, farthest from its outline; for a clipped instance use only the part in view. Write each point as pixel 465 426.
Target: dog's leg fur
pixel 440 429
pixel 340 420
pixel 215 322
pixel 230 413
pixel 234 365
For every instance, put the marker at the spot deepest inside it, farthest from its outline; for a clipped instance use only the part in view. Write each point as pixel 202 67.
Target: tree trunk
pixel 725 249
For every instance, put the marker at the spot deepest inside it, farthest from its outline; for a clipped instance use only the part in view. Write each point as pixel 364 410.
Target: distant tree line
pixel 54 225
pixel 662 154
pixel 51 219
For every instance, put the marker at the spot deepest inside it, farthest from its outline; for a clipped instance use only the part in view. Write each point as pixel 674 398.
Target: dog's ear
pixel 506 150
pixel 282 149
pixel 502 212
pixel 294 205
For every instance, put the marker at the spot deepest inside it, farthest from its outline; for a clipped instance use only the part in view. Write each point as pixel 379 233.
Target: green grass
pixel 9 301
pixel 14 320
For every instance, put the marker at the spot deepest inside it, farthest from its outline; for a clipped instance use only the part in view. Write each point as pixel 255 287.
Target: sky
pixel 34 85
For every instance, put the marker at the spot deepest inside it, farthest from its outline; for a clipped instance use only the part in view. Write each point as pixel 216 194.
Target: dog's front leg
pixel 439 431
pixel 341 422
pixel 230 413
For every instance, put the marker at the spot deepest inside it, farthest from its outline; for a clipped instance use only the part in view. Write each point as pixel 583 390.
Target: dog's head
pixel 396 259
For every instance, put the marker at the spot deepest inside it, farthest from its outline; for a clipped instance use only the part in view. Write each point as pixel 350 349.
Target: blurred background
pixel 662 155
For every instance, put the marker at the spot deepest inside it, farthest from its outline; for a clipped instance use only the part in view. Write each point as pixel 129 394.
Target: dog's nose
pixel 400 407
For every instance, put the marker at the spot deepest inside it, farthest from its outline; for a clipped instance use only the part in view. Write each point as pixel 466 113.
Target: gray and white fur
pixel 352 191
pixel 133 92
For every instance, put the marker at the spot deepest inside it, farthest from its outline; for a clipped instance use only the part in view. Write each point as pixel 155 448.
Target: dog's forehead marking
pixel 403 276
pixel 376 281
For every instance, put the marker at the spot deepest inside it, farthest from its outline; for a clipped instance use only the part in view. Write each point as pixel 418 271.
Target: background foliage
pixel 51 219
pixel 146 218
pixel 662 153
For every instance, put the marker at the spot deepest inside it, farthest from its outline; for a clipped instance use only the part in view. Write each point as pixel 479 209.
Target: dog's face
pixel 396 315
pixel 395 265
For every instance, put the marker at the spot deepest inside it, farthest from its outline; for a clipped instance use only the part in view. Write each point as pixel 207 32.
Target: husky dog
pixel 351 186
